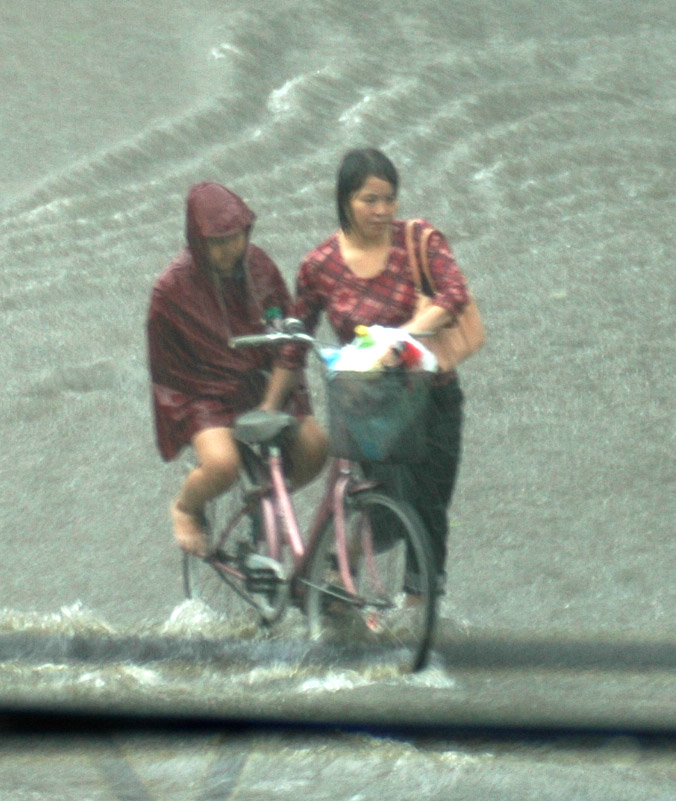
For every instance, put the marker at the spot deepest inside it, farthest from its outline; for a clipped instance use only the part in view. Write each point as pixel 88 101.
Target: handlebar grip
pixel 251 340
pixel 292 332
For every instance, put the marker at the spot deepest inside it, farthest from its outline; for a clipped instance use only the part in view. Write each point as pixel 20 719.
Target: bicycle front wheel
pixel 390 605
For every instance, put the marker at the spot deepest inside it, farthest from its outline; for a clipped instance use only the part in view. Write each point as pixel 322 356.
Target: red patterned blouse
pixel 326 283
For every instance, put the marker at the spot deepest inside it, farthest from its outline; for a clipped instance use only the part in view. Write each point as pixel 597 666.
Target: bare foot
pixel 188 531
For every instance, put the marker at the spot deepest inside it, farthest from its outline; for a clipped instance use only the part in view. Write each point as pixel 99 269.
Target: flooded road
pixel 540 139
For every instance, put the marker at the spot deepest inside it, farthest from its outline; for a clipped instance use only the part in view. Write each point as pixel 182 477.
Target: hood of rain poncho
pixel 214 212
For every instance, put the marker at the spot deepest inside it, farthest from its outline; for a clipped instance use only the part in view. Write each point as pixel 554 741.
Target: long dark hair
pixel 355 169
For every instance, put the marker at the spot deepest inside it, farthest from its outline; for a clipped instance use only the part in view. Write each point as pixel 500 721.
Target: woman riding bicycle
pixel 361 276
pixel 221 286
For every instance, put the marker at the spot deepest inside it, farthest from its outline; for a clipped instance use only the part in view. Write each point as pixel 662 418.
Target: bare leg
pixel 308 452
pixel 217 469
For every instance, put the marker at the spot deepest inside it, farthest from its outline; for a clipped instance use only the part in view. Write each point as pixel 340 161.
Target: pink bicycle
pixel 363 575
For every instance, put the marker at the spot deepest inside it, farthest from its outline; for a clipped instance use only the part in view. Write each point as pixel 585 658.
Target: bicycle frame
pixel 280 522
pixel 350 576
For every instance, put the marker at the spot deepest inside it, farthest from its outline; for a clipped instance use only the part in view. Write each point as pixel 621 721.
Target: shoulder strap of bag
pixel 423 281
pixel 412 258
pixel 424 263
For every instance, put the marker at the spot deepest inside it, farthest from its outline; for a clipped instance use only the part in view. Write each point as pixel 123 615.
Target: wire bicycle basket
pixel 378 416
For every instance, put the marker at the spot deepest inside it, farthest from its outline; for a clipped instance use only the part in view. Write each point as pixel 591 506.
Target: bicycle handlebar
pixel 291 332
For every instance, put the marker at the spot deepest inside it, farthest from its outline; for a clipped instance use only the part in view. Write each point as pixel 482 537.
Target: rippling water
pixel 539 137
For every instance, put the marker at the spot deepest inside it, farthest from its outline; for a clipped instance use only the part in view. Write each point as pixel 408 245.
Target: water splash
pixel 69 620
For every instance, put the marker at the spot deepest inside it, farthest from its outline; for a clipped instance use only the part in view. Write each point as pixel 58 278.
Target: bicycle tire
pixel 228 596
pixel 391 565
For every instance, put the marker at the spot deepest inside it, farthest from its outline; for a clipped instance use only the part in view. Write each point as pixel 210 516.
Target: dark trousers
pixel 428 485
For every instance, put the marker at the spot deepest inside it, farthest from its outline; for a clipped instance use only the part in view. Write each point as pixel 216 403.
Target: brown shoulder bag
pixel 451 344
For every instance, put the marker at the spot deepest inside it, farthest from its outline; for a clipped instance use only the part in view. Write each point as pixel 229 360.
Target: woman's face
pixel 225 252
pixel 372 208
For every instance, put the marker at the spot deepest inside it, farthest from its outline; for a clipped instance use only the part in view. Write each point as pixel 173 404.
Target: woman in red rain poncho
pixel 221 285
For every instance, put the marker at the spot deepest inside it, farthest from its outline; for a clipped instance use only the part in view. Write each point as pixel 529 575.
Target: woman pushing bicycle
pixel 362 275
pixel 221 286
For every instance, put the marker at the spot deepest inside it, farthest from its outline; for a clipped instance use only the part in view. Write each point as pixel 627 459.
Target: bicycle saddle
pixel 260 426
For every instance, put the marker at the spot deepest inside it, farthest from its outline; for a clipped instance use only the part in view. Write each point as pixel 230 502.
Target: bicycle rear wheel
pixel 241 586
pixel 392 608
